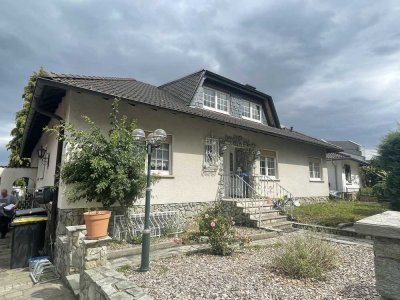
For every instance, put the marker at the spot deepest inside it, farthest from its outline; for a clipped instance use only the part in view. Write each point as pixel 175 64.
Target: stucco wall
pixel 342 185
pixel 45 172
pixel 187 182
pixel 9 175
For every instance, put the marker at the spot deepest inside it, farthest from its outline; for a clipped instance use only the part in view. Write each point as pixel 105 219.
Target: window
pixel 268 164
pixel 315 169
pixel 347 172
pixel 251 111
pixel 215 100
pixel 211 152
pixel 161 158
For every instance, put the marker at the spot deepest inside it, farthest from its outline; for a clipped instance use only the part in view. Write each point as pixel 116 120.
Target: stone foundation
pixel 187 212
pixel 312 200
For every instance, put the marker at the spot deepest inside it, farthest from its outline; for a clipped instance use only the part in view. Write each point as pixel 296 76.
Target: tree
pixel 20 120
pixel 389 159
pixel 107 169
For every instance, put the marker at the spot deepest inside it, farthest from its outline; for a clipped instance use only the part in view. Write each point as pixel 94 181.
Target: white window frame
pixel 252 108
pixel 163 173
pixel 216 100
pixel 264 159
pixel 312 169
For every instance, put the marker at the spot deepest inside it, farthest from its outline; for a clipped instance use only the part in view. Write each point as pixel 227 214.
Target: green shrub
pixel 219 230
pixel 305 256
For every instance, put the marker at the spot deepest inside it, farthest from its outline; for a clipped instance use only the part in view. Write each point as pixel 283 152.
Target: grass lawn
pixel 333 213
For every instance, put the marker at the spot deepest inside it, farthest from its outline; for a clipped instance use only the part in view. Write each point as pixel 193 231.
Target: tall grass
pixel 305 256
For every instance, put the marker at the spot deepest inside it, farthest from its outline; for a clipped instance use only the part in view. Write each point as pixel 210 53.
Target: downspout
pixel 336 179
pixel 54 205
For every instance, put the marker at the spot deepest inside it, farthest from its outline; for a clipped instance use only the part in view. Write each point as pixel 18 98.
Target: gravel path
pixel 247 275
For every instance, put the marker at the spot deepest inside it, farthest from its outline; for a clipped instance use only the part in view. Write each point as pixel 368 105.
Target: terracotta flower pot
pixel 96 224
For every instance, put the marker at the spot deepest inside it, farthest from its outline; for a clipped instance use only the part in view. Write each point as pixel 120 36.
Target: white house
pixel 225 140
pixel 344 168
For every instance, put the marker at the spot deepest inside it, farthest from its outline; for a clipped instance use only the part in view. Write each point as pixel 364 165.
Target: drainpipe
pixel 54 211
pixel 336 183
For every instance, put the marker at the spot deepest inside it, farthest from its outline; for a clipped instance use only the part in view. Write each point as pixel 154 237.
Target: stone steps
pixel 265 219
pixel 270 217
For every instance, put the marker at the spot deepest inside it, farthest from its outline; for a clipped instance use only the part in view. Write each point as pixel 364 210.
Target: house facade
pixel 344 168
pixel 225 141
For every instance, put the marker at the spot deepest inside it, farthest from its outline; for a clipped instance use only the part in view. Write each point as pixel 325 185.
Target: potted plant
pixel 105 168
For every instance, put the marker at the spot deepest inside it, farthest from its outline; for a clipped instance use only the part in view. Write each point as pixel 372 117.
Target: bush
pixel 305 256
pixel 219 230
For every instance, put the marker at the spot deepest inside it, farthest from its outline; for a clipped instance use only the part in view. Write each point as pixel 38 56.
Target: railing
pixel 25 197
pixel 239 189
pixel 161 223
pixel 256 188
pixel 270 188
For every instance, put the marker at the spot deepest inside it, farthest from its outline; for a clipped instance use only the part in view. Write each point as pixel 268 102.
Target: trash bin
pixel 28 236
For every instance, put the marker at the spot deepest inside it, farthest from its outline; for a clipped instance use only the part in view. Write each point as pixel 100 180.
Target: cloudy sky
pixel 332 67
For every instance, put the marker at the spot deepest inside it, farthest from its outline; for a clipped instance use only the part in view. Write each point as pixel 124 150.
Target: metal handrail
pixel 237 188
pixel 257 188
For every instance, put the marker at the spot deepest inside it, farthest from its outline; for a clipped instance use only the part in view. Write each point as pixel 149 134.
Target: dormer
pixel 212 92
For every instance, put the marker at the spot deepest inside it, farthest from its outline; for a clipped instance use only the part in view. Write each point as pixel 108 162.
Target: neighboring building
pixel 225 140
pixel 344 168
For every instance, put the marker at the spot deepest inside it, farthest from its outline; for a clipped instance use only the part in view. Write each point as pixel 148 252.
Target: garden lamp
pixel 153 140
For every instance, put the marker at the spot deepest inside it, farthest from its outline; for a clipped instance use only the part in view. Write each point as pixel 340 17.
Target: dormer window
pixel 215 100
pixel 251 111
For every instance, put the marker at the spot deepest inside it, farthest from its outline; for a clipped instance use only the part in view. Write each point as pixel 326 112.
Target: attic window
pixel 215 100
pixel 251 111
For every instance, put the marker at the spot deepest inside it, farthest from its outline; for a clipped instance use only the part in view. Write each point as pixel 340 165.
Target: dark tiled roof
pixel 336 156
pixel 345 156
pixel 184 88
pixel 172 96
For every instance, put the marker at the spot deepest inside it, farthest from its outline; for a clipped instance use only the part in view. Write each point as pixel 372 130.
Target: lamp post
pixel 153 140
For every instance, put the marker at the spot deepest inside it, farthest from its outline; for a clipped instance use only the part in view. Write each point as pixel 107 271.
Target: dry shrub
pixel 306 256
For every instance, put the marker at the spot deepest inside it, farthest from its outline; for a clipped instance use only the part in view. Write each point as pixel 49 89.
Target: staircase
pixel 260 201
pixel 258 213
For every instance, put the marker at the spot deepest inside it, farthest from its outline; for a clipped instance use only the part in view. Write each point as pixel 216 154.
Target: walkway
pixel 16 283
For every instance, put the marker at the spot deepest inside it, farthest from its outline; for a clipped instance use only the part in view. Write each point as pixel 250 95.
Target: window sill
pixel 316 180
pixel 163 176
pixel 216 110
pixel 251 119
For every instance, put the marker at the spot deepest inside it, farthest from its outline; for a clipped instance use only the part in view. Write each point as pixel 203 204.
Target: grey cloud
pixel 279 47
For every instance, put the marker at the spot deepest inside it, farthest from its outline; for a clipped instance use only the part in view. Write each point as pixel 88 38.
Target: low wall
pixel 187 211
pixel 88 260
pixel 385 230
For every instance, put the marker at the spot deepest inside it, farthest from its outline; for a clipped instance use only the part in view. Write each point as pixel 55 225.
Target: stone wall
pixel 88 259
pixel 103 283
pixel 312 200
pixel 187 212
pixel 385 230
pixel 387 267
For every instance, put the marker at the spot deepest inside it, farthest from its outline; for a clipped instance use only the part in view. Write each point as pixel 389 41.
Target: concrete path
pixel 16 283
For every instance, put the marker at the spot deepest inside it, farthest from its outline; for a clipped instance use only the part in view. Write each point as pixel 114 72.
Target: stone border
pixel 332 230
pixel 106 284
